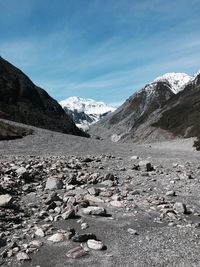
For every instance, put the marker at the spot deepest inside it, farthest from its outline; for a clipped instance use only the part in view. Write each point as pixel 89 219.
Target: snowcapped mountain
pixel 126 122
pixel 175 80
pixel 85 111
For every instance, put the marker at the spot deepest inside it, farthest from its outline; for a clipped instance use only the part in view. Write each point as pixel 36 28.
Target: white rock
pixel 54 183
pixel 116 203
pixel 22 256
pixel 35 244
pixel 134 157
pixel 92 210
pixel 5 200
pixel 132 231
pixel 58 237
pixel 39 232
pixel 22 172
pixel 180 207
pixel 95 245
pixel 93 199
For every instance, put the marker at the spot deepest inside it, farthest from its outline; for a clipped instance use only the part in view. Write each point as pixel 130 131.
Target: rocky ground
pixel 71 201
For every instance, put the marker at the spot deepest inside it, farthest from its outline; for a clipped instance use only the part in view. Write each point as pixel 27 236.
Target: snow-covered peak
pixel 88 106
pixel 176 80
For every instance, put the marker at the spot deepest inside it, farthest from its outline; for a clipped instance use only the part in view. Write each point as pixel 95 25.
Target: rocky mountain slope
pixel 134 119
pixel 85 111
pixel 23 101
pixel 181 114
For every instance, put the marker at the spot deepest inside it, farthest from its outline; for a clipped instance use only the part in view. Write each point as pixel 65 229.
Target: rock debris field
pixel 71 201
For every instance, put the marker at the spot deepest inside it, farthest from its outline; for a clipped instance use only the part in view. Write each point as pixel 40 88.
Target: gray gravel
pixel 164 237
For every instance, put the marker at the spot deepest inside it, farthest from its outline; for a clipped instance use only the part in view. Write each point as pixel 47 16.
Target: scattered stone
pixel 5 200
pixel 76 252
pixel 39 232
pixel 109 176
pixel 93 199
pixel 135 157
pixel 22 256
pixel 58 237
pixel 180 208
pixel 132 231
pixel 36 244
pixel 170 193
pixel 94 244
pixel 84 226
pixel 146 165
pixel 93 210
pixel 23 173
pixel 53 184
pixel 116 203
pixel 68 214
pixel 83 237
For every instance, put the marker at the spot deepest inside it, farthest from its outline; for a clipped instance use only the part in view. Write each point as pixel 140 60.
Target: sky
pixel 100 49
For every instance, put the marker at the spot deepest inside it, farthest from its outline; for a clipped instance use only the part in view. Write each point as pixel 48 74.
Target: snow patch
pixel 177 81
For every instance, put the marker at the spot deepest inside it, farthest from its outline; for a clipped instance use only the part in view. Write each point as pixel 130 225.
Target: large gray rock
pixel 22 173
pixel 180 208
pixel 145 165
pixel 5 200
pixel 22 256
pixel 92 210
pixel 54 183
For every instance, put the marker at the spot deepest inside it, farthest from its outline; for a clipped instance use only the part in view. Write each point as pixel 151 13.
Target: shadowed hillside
pixel 22 101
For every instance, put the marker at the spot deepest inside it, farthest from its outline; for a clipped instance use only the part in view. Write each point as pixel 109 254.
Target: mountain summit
pixel 175 80
pixel 133 120
pixel 85 111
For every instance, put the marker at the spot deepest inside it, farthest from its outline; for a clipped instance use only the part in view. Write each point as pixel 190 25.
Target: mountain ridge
pixel 85 111
pixel 135 119
pixel 22 101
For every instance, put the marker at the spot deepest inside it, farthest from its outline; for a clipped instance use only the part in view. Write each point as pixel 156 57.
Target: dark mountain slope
pixel 22 101
pixel 181 114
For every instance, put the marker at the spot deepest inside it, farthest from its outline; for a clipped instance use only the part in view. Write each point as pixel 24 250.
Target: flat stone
pixel 134 157
pixel 54 183
pixel 93 210
pixel 132 231
pixel 170 193
pixel 94 244
pixel 69 214
pixel 180 208
pixel 58 237
pixel 76 252
pixel 84 226
pixel 22 172
pixel 39 232
pixel 93 199
pixel 109 176
pixel 35 244
pixel 22 256
pixel 116 203
pixel 5 200
pixel 146 165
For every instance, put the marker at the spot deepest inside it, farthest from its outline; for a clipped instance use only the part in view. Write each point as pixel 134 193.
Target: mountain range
pixel 22 101
pixel 167 108
pixel 85 112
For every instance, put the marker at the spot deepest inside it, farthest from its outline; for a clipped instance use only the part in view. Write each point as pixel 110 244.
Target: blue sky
pixel 101 49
